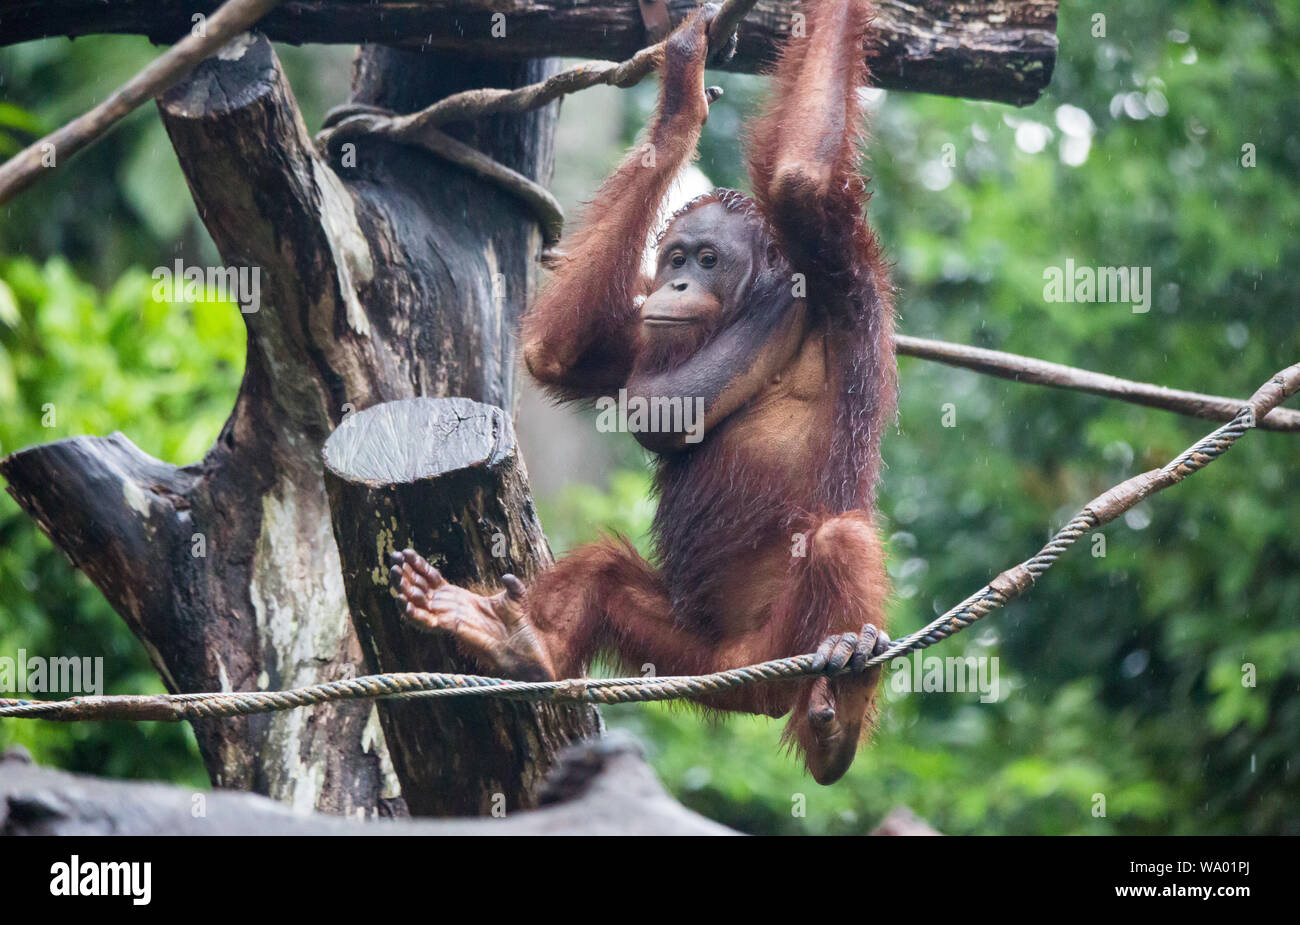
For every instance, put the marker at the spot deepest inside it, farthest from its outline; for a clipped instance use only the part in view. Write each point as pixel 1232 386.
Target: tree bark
pixel 398 277
pixel 444 477
pixel 1001 50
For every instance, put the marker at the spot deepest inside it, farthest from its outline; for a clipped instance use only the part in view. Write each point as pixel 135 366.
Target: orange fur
pixel 799 456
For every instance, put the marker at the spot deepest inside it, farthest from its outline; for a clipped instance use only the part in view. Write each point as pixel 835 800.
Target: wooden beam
pixel 1002 50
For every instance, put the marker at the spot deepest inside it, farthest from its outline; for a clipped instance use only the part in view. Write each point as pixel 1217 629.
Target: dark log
pixel 442 476
pixel 225 619
pixel 605 785
pixel 398 277
pixel 1001 50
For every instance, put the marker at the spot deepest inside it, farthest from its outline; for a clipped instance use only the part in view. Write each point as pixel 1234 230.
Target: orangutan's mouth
pixel 667 321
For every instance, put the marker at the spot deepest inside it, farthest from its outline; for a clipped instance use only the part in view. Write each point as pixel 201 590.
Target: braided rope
pixel 411 685
pixel 421 129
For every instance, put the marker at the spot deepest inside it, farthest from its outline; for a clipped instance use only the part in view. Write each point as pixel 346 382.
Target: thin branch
pixel 1041 372
pixel 1007 586
pixel 25 167
pixel 473 104
pixel 420 128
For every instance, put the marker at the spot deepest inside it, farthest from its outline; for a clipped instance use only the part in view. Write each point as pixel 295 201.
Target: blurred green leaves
pixel 581 511
pixel 75 361
pixel 1124 676
pixel 1162 678
pixel 18 128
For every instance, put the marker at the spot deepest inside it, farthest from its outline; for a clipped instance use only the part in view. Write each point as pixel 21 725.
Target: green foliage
pixel 123 201
pixel 75 361
pixel 1123 676
pixel 582 510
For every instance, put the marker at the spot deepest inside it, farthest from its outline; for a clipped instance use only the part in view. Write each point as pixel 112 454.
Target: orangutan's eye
pixel 677 260
pixel 708 259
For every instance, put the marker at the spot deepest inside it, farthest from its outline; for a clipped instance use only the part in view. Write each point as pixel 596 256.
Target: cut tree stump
pixel 395 276
pixel 399 276
pixel 444 477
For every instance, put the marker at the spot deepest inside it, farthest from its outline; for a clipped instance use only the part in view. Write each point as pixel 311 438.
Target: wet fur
pixel 722 504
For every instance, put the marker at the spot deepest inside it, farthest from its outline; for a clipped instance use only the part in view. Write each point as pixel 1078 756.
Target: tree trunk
pixel 444 477
pixel 397 276
pixel 402 276
pixel 1001 50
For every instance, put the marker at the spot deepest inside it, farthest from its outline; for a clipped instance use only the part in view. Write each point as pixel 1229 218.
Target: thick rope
pixel 422 129
pixel 998 592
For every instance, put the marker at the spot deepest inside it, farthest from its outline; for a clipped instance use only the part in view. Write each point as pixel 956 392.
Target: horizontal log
pixel 1001 50
pixel 601 787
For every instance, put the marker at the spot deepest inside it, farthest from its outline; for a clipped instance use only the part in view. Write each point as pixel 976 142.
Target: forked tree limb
pixel 60 146
pixel 1056 375
pixel 395 277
